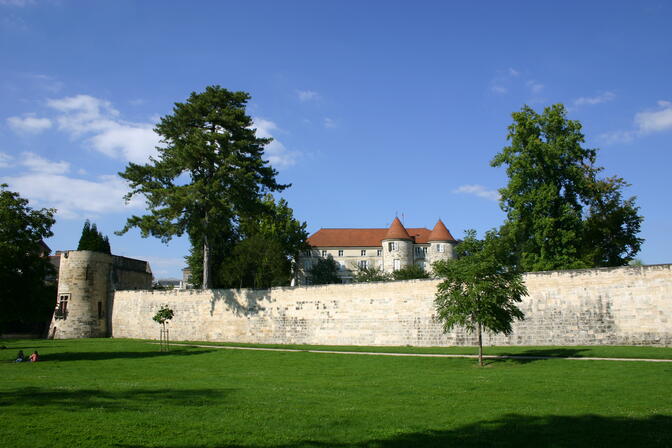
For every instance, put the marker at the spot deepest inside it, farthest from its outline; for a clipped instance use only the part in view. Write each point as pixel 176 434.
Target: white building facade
pixel 384 249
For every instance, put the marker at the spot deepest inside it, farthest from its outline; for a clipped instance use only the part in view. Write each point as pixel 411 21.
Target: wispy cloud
pixel 646 122
pixel 330 123
pixel 278 155
pixel 29 124
pixel 39 164
pixel 5 160
pixel 655 120
pixel 96 120
pixel 534 86
pixel 307 95
pixel 46 184
pixel 592 100
pixel 478 190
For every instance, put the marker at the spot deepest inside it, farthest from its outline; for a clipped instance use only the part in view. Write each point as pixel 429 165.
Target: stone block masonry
pixel 625 305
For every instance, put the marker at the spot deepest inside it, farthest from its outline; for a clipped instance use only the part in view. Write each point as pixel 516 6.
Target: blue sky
pixel 378 108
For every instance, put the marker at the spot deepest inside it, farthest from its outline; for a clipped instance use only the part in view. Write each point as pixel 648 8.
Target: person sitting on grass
pixel 20 357
pixel 34 357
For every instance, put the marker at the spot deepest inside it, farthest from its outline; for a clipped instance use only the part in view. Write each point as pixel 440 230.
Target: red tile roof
pixel 361 237
pixel 440 233
pixel 397 231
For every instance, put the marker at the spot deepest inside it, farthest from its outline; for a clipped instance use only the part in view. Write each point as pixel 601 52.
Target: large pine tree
pixel 209 173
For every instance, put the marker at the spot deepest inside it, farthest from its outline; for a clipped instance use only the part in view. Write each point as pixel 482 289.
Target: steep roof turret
pixel 440 233
pixel 397 231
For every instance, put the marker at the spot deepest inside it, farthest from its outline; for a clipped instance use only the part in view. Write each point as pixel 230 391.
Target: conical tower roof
pixel 397 231
pixel 440 233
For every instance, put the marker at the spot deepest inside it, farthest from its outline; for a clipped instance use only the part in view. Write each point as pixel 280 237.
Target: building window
pixel 420 252
pixel 393 246
pixel 307 265
pixel 363 253
pixel 363 264
pixel 62 306
pixel 324 253
pixel 100 310
pixel 340 252
pixel 421 265
pixel 379 252
pixel 439 247
pixel 397 265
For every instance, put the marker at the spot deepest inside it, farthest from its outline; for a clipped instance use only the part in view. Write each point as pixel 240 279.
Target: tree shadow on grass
pixel 528 356
pixel 130 399
pixel 512 431
pixel 98 356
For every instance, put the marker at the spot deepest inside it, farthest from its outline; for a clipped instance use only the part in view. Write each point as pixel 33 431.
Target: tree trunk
pixel 480 345
pixel 207 282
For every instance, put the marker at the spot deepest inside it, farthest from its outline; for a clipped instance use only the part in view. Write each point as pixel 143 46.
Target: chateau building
pixel 386 249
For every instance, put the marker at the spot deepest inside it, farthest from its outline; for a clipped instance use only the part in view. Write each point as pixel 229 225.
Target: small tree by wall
pixel 480 289
pixel 162 317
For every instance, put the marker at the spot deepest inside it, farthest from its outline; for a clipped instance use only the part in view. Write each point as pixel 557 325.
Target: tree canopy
pixel 324 271
pixel 560 213
pixel 25 295
pixel 480 288
pixel 209 173
pixel 93 240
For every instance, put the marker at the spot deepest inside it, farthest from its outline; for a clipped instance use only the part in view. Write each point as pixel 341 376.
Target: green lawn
pixel 125 393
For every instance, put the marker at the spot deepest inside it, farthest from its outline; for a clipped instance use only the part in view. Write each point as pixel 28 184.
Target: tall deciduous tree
pixel 560 214
pixel 25 296
pixel 480 288
pixel 208 174
pixel 264 252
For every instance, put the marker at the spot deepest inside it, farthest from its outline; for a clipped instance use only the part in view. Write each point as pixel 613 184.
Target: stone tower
pixel 86 284
pixel 441 244
pixel 397 247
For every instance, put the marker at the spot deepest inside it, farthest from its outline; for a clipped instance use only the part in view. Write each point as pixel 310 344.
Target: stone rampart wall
pixel 628 305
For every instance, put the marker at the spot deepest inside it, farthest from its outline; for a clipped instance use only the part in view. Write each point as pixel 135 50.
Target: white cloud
pixel 535 86
pixel 278 155
pixel 592 100
pixel 5 160
pixel 330 123
pixel 307 95
pixel 29 124
pixel 38 164
pixel 73 198
pixel 657 120
pixel 84 115
pixel 478 190
pixel 499 89
pixel 646 122
pixel 44 183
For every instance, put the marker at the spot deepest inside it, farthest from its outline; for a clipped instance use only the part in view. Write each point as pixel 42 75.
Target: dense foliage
pixel 370 274
pixel 410 272
pixel 27 298
pixel 324 271
pixel 480 288
pixel 208 176
pixel 262 251
pixel 93 240
pixel 560 214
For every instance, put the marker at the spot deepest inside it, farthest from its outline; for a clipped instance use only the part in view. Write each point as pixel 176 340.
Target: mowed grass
pixel 125 393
